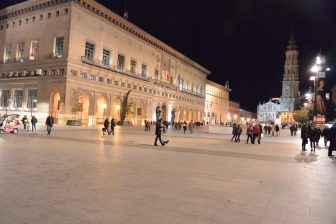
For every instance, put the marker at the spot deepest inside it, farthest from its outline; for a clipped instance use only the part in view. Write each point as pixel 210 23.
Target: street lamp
pixel 31 106
pixel 319 72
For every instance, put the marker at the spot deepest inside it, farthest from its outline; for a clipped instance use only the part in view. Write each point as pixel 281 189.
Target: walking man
pixel 112 126
pixel 332 136
pixel 249 133
pixel 49 122
pixel 158 131
pixel 304 136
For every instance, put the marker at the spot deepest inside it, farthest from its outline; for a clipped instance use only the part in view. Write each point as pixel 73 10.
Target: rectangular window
pixel 57 13
pixel 143 71
pixel 101 79
pixel 49 15
pixel 89 51
pixel 108 81
pixel 66 11
pixel 134 87
pixel 121 62
pixel 133 67
pixel 41 17
pixel 145 90
pixel 32 98
pixel 156 74
pixel 53 72
pixel 8 51
pixel 18 97
pixel 34 49
pixel 5 96
pixel 20 50
pixel 106 57
pixel 116 83
pixel 140 88
pixel 33 19
pixel 61 71
pixel 122 84
pixel 59 46
pixel 129 86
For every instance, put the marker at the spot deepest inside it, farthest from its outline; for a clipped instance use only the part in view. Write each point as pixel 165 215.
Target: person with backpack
pixel 33 122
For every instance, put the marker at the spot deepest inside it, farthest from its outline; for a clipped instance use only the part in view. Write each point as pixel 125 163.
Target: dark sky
pixel 243 41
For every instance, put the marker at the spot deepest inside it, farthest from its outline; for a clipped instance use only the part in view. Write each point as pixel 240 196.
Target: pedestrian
pixel 33 122
pixel 291 128
pixel 234 132
pixel 277 130
pixel 326 137
pixel 312 137
pixel 113 124
pixel 146 125
pixel 106 125
pixel 304 136
pixel 184 125
pixel 332 136
pixel 239 131
pixel 256 133
pixel 158 131
pixel 25 122
pixel 260 134
pixel 49 122
pixel 249 133
pixel 191 126
pixel 295 129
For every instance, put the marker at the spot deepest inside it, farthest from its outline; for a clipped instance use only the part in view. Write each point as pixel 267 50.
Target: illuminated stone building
pixel 216 103
pixel 76 59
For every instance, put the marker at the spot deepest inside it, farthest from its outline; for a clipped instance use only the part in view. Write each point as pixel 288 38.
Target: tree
pixel 301 116
pixel 125 108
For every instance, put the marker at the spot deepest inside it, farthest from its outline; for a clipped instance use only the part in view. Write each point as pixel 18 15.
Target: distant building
pixel 216 103
pixel 268 112
pixel 234 115
pixel 247 116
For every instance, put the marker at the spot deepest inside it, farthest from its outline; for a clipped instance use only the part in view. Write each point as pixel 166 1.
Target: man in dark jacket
pixel 158 130
pixel 106 126
pixel 304 136
pixel 332 136
pixel 49 122
pixel 33 122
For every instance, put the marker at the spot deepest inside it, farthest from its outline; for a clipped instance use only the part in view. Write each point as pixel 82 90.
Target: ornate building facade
pixel 76 59
pixel 216 103
pixel 290 83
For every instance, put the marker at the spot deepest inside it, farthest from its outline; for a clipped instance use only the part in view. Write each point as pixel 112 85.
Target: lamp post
pixel 318 71
pixel 31 106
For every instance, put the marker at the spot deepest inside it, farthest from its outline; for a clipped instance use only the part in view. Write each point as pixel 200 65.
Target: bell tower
pixel 290 82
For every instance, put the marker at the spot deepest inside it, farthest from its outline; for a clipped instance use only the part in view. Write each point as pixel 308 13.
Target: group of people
pixel 185 126
pixel 313 133
pixel 108 126
pixel 293 129
pixel 25 123
pixel 272 130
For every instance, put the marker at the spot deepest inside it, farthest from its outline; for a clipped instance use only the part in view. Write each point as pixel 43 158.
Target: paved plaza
pixel 76 175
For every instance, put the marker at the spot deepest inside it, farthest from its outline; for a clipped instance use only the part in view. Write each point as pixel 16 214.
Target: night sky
pixel 242 41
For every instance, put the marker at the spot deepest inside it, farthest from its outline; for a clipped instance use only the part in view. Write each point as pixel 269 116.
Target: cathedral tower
pixel 290 82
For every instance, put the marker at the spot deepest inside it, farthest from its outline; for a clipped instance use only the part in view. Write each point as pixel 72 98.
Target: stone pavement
pixel 76 175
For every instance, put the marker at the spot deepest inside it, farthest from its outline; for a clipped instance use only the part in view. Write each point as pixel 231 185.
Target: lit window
pixel 133 67
pixel 32 98
pixel 8 51
pixel 20 51
pixel 5 98
pixel 18 96
pixel 89 51
pixel 121 62
pixel 59 46
pixel 106 57
pixel 34 48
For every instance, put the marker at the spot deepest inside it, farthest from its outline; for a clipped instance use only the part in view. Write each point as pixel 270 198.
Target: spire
pixel 292 42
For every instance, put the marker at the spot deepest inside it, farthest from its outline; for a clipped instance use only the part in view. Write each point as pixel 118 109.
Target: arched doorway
pixel 101 109
pixel 116 104
pixel 55 106
pixel 83 109
pixel 164 113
